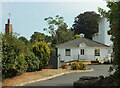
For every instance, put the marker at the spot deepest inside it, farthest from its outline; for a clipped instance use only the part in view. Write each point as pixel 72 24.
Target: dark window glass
pixel 97 52
pixel 67 52
pixel 82 51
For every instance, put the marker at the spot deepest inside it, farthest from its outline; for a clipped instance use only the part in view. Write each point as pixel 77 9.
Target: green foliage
pixel 76 36
pixel 48 39
pixel 33 62
pixel 86 23
pixel 55 24
pixel 24 40
pixel 97 59
pixel 13 62
pixel 113 15
pixel 42 51
pixel 58 29
pixel 37 36
pixel 52 51
pixel 82 66
pixel 62 36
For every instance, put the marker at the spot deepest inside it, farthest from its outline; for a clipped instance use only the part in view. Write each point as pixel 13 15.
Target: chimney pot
pixel 8 21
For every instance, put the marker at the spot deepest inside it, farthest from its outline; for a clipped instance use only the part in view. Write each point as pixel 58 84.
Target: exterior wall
pixel 88 54
pixel 107 37
pixel 95 38
pixel 103 36
pixel 102 32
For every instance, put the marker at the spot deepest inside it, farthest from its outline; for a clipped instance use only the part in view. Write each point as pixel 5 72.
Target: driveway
pixel 68 79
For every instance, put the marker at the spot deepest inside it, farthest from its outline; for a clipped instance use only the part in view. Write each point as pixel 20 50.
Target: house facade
pixel 83 49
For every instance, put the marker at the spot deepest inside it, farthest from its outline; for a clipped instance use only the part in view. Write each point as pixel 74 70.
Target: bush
pixel 13 62
pixel 82 66
pixel 42 51
pixel 78 66
pixel 33 62
pixel 64 66
pixel 75 66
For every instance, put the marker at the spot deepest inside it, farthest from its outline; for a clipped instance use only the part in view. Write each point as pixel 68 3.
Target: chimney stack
pixel 8 28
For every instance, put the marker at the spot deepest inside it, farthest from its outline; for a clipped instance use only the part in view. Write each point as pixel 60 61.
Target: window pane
pixel 82 51
pixel 97 52
pixel 67 52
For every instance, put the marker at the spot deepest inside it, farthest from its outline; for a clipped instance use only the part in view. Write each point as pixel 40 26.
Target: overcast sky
pixel 28 17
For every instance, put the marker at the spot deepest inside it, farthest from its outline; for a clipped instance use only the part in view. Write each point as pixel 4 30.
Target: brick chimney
pixel 8 28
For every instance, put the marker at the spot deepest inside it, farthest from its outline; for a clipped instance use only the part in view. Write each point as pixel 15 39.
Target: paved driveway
pixel 68 79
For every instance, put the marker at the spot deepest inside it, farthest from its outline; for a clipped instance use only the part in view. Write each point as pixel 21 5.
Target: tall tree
pixel 63 36
pixel 86 23
pixel 113 16
pixel 37 36
pixel 42 51
pixel 24 40
pixel 55 24
pixel 48 39
pixel 58 29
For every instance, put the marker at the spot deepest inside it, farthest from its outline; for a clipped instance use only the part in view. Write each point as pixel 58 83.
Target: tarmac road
pixel 69 79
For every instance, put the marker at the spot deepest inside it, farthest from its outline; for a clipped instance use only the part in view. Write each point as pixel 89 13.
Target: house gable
pixel 82 45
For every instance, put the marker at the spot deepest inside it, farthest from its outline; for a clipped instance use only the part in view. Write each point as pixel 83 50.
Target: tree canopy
pixel 42 51
pixel 86 23
pixel 23 39
pixel 13 52
pixel 58 29
pixel 37 36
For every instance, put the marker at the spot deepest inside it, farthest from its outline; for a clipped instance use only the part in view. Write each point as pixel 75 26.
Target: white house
pixel 83 49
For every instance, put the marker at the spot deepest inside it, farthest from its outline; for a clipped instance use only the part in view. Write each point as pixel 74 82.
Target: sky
pixel 28 17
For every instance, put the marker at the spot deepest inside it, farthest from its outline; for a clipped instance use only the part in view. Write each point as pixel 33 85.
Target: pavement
pixel 69 79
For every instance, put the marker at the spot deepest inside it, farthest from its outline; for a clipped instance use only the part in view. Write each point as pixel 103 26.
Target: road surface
pixel 69 79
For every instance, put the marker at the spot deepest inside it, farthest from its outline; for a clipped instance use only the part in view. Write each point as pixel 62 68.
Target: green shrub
pixel 82 66
pixel 33 62
pixel 13 62
pixel 42 51
pixel 64 66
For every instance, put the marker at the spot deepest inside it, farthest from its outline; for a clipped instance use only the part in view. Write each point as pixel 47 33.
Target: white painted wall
pixel 103 36
pixel 89 53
